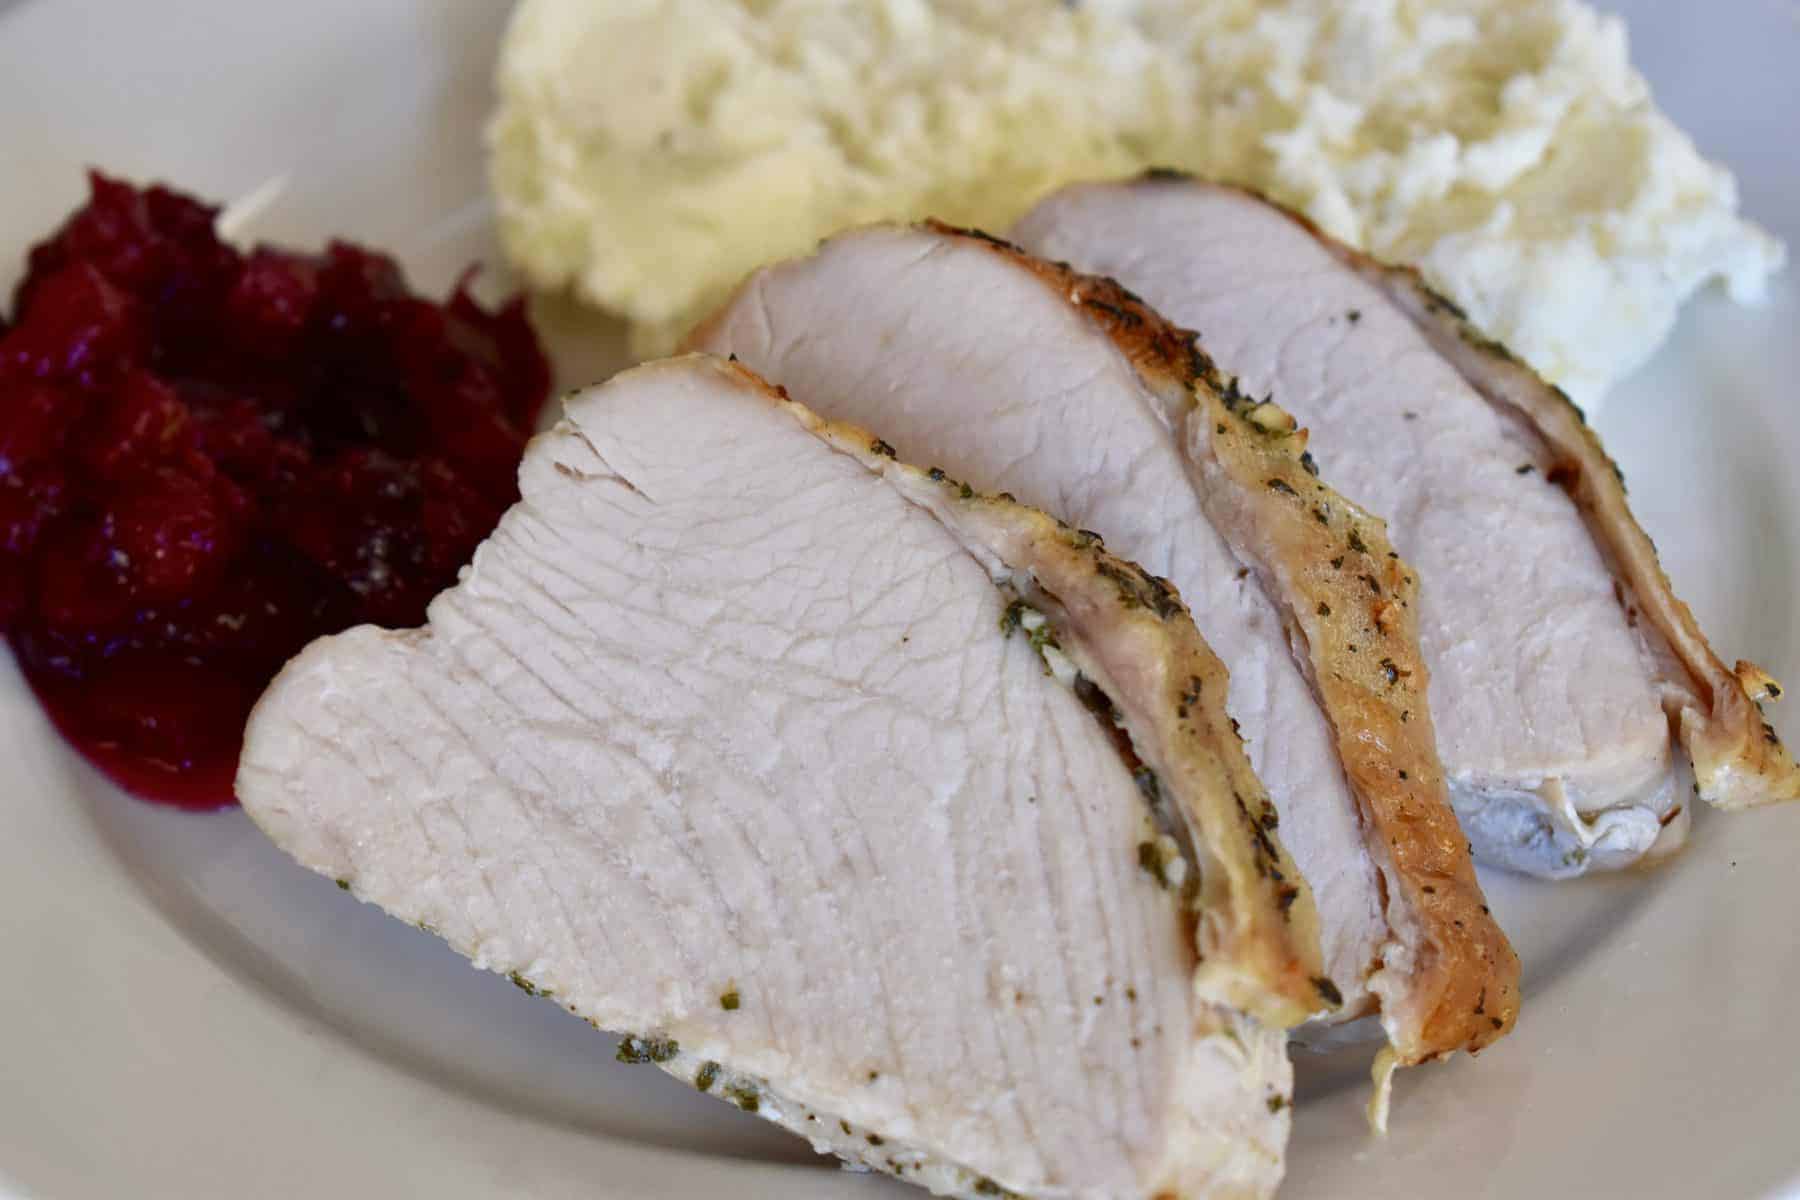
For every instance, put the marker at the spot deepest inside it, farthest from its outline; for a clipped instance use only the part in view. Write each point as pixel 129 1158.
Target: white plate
pixel 185 1013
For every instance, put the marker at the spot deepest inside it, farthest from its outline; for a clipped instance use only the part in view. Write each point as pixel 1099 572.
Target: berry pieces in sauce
pixel 209 457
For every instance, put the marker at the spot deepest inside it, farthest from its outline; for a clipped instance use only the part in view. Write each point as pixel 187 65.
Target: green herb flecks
pixel 525 985
pixel 1020 616
pixel 634 1049
pixel 1190 696
pixel 1151 862
pixel 1161 860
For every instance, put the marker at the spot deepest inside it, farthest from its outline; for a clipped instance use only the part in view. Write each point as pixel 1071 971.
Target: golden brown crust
pixel 1353 600
pixel 1128 630
pixel 1739 762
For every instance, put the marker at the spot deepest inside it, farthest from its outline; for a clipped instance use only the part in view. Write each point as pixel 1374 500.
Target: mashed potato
pixel 651 152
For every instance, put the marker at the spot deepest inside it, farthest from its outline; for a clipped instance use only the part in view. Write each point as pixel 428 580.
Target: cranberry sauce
pixel 210 457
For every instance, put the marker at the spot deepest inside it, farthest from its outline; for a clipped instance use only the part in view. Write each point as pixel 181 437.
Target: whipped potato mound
pixel 650 153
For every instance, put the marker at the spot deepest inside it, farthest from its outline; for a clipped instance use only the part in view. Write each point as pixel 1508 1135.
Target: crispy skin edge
pixel 1739 760
pixel 1462 991
pixel 1244 1161
pixel 1259 935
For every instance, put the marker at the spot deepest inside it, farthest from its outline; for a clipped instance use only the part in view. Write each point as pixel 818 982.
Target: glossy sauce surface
pixel 209 457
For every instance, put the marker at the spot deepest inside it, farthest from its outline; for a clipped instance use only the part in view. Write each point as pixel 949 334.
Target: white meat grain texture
pixel 719 709
pixel 969 361
pixel 1548 699
pixel 650 153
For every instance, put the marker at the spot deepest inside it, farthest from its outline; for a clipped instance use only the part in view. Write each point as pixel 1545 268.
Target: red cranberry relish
pixel 208 458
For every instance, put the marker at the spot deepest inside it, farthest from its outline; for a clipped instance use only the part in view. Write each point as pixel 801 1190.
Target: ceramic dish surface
pixel 188 1013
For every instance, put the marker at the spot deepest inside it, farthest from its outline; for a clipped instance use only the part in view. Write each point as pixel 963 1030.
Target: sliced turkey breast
pixel 901 816
pixel 1069 393
pixel 1566 676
